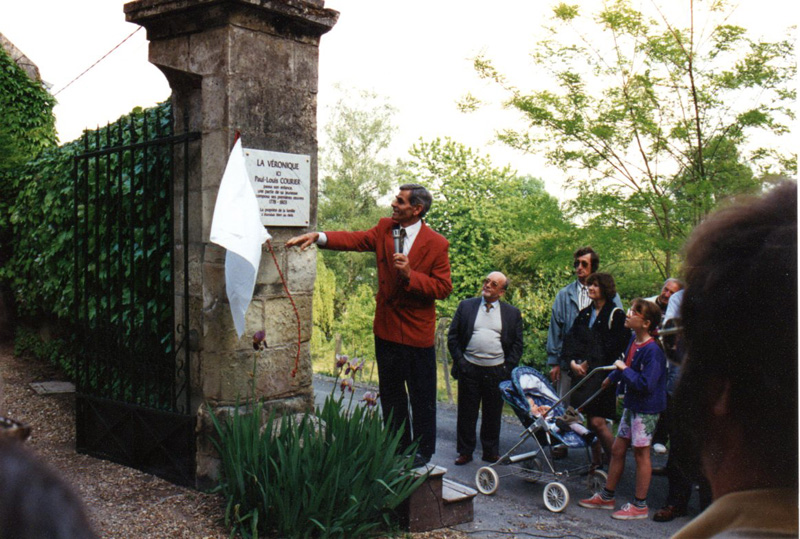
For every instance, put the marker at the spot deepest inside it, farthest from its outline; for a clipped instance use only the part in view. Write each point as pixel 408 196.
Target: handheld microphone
pixel 398 239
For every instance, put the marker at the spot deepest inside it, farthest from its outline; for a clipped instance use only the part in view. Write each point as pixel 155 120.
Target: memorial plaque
pixel 282 183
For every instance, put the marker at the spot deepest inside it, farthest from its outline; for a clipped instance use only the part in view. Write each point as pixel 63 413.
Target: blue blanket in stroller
pixel 528 382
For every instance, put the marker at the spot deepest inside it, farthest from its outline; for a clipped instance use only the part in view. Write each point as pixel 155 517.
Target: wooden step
pixel 437 503
pixel 453 492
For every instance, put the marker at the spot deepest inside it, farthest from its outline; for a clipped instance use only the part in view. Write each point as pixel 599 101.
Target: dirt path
pixel 122 502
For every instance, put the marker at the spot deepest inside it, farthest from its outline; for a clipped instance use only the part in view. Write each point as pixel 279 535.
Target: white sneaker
pixel 659 449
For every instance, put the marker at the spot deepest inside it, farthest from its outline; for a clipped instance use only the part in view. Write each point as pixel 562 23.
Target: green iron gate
pixel 132 369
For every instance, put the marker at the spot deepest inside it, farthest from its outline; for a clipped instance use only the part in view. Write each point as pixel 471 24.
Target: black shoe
pixel 420 460
pixel 668 513
pixel 490 458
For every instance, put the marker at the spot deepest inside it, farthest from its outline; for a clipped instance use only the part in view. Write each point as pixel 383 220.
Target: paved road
pixel 517 508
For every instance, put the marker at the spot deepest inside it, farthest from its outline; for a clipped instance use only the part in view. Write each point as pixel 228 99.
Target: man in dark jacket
pixel 485 342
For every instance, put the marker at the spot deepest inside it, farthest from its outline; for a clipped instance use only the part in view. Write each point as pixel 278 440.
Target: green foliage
pixel 26 109
pixel 654 124
pixel 355 175
pixel 355 323
pixel 27 126
pixel 59 352
pixel 494 220
pixel 324 292
pixel 42 270
pixel 42 225
pixel 333 473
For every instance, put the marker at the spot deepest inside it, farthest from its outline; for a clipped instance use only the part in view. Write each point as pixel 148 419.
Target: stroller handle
pixel 579 384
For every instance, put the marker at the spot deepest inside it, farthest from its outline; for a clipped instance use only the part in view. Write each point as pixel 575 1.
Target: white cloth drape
pixel 237 227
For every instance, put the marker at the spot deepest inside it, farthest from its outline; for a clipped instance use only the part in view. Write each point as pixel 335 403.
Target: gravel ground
pixel 121 502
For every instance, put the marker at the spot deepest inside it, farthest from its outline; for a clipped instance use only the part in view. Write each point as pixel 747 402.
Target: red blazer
pixel 405 311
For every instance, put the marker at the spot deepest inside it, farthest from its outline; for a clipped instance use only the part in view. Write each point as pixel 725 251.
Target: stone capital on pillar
pixel 247 66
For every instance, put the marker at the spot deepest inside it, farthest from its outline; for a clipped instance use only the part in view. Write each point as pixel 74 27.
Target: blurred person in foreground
pixel 35 503
pixel 739 315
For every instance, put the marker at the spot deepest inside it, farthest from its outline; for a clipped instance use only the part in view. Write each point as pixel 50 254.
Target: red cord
pixel 296 313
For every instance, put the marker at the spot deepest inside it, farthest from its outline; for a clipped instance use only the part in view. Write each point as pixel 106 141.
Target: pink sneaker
pixel 630 512
pixel 597 502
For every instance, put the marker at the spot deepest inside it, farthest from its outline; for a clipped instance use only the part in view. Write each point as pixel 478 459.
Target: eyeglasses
pixel 581 263
pixel 491 283
pixel 631 312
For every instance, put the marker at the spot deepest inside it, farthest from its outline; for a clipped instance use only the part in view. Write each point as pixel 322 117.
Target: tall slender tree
pixel 356 175
pixel 654 123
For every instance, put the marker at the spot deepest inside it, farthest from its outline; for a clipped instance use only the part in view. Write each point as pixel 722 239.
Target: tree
pixel 654 124
pixel 356 174
pixel 487 213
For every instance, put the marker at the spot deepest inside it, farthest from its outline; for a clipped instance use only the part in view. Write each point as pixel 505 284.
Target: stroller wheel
pixel 596 480
pixel 556 497
pixel 487 481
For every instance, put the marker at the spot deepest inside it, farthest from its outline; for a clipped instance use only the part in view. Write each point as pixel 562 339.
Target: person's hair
pixel 674 280
pixel 419 196
pixel 648 311
pixel 739 314
pixel 34 501
pixel 606 284
pixel 595 258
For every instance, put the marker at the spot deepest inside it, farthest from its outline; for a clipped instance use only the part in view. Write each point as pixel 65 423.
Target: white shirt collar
pixel 411 230
pixel 411 234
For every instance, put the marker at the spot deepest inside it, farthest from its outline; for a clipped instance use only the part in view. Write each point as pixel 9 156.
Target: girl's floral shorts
pixel 638 428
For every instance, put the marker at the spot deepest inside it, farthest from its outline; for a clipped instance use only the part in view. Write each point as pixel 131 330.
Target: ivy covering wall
pixel 27 127
pixel 37 240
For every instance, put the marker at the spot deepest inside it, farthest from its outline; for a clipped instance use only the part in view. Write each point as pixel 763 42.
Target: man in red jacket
pixel 411 276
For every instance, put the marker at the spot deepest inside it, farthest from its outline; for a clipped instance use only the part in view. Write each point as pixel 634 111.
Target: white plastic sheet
pixel 237 227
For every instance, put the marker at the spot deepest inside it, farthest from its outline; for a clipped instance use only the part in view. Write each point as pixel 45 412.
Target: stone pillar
pixel 249 66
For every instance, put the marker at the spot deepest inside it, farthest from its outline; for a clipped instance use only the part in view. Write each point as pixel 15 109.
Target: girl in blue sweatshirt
pixel 641 376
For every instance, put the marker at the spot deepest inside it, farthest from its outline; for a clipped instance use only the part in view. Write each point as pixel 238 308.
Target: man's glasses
pixel 581 263
pixel 491 283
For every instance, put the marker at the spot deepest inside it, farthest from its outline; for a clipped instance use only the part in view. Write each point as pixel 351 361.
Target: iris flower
pixel 259 340
pixel 354 366
pixel 370 399
pixel 341 360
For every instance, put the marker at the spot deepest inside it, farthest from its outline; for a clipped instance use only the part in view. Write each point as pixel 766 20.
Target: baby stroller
pixel 538 465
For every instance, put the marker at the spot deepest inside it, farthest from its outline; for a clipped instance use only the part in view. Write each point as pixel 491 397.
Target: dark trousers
pixel 478 389
pixel 681 482
pixel 661 434
pixel 407 374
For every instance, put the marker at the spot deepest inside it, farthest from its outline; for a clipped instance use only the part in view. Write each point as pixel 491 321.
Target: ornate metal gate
pixel 132 369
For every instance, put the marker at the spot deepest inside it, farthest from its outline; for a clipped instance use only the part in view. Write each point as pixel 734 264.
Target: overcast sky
pixel 417 53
